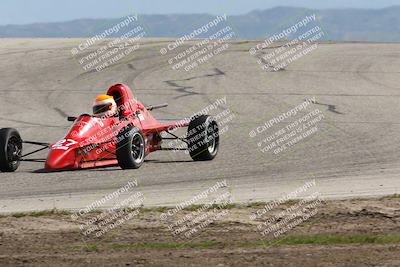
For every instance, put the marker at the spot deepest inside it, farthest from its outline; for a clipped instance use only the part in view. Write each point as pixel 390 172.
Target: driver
pixel 104 106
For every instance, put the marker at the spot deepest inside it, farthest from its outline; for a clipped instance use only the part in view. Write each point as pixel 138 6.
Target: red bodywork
pixel 91 142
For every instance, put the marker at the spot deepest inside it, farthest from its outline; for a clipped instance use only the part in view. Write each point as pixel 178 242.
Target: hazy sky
pixel 29 11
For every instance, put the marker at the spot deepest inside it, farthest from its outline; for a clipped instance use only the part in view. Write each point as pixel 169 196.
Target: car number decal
pixel 64 144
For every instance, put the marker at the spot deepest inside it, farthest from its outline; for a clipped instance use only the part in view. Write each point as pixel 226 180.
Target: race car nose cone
pixel 60 160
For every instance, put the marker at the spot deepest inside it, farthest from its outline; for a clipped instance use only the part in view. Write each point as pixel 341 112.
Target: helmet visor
pixel 98 109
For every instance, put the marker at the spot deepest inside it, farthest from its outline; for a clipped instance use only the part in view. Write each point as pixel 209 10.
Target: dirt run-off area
pixel 356 232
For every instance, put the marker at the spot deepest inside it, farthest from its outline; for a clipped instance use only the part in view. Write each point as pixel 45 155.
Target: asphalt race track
pixel 354 153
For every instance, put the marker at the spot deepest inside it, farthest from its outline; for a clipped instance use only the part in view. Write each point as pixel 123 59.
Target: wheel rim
pixel 212 142
pixel 137 148
pixel 14 150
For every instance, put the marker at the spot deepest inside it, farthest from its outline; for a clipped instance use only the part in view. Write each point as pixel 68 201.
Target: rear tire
pixel 203 138
pixel 130 148
pixel 10 149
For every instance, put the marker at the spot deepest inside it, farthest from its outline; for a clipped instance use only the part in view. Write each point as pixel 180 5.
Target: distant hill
pixel 375 25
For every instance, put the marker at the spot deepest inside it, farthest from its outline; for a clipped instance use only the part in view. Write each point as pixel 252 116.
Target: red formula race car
pixel 124 138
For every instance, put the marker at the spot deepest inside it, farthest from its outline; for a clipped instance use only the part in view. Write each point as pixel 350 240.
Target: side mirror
pixel 71 119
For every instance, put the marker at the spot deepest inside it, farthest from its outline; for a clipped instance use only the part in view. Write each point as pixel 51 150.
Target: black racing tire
pixel 130 148
pixel 10 149
pixel 203 138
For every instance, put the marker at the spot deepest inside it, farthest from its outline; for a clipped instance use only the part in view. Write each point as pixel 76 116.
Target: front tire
pixel 130 148
pixel 203 138
pixel 10 150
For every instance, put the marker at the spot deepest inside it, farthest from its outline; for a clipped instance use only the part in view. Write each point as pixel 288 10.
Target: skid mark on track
pixel 186 90
pixel 87 72
pixel 62 113
pixel 331 108
pixel 131 66
pixel 31 123
pixel 182 89
pixel 362 72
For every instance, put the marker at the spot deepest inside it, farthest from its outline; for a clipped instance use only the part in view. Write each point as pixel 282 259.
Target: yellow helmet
pixel 104 106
